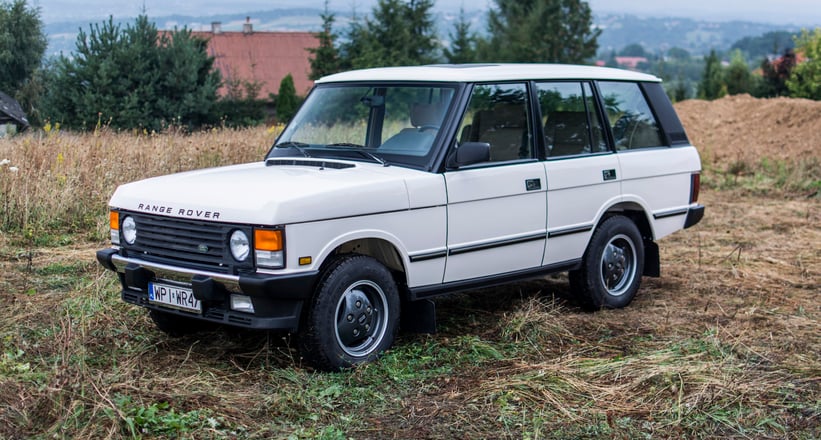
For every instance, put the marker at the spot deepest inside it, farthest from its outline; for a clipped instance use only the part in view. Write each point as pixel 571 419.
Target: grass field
pixel 726 344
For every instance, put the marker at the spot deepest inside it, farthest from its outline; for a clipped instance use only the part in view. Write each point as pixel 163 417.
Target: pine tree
pixel 398 33
pixel 133 78
pixel 712 84
pixel 22 44
pixel 287 101
pixel 554 31
pixel 738 76
pixel 462 42
pixel 325 57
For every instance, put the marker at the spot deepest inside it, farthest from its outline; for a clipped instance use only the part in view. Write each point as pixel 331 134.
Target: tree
pixel 775 74
pixel 287 101
pixel 763 45
pixel 133 78
pixel 633 50
pixel 462 42
pixel 325 58
pixel 678 54
pixel 22 45
pixel 556 31
pixel 399 33
pixel 738 77
pixel 805 79
pixel 712 83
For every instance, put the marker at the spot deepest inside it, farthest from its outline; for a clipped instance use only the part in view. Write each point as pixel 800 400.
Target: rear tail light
pixel 695 186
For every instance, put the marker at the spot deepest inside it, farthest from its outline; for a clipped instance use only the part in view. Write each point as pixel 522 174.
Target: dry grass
pixel 724 345
pixel 63 180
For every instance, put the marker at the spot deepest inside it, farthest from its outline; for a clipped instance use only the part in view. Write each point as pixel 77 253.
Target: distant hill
pixel 660 34
pixel 618 31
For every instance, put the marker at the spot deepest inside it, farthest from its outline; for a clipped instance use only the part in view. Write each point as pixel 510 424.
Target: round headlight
pixel 129 230
pixel 240 246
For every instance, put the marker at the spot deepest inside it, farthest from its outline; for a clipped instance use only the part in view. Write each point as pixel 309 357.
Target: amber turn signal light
pixel 268 240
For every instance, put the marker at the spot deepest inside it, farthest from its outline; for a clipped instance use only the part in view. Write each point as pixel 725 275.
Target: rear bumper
pixel 694 215
pixel 277 299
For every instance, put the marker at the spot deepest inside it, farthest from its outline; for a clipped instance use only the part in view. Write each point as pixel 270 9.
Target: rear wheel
pixel 611 267
pixel 354 314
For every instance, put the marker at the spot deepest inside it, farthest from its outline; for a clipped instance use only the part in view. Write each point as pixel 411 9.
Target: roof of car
pixel 487 72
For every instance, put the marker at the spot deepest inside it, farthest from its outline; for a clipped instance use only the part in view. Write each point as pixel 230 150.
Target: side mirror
pixel 469 153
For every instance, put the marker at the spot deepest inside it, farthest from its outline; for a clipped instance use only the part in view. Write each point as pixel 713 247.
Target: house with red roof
pixel 261 57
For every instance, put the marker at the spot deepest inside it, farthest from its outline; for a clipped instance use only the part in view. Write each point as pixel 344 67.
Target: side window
pixel 571 124
pixel 499 115
pixel 412 118
pixel 633 124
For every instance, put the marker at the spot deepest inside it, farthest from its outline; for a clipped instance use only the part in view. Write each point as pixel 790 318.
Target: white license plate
pixel 173 296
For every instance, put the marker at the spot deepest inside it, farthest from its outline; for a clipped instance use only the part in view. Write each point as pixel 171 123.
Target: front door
pixel 497 210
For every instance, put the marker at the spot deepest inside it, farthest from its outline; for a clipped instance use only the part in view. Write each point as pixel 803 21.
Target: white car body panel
pixel 489 206
pixel 655 179
pixel 577 195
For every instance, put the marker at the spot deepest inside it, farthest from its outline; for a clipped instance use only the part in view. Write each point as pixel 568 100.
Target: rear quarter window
pixel 631 120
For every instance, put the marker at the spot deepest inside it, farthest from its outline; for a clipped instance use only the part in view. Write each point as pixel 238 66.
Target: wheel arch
pixel 381 249
pixel 640 216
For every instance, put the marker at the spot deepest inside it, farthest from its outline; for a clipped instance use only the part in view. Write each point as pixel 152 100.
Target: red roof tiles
pixel 263 56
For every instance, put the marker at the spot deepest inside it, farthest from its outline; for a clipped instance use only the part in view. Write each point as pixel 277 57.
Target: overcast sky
pixel 797 12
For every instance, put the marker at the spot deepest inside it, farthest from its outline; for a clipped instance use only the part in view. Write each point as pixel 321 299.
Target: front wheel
pixel 354 314
pixel 611 267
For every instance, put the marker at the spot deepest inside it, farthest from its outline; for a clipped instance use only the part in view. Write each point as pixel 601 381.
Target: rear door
pixel 497 210
pixel 583 175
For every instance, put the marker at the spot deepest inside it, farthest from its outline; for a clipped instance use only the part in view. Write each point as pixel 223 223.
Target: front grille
pixel 188 243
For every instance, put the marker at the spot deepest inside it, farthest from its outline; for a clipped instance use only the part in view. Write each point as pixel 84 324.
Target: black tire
pixel 175 325
pixel 353 315
pixel 612 266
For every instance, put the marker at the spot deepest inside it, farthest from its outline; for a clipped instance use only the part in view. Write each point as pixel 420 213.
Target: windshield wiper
pixel 298 146
pixel 359 149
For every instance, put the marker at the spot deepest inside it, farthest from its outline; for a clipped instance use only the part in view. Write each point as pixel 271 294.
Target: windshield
pixel 375 123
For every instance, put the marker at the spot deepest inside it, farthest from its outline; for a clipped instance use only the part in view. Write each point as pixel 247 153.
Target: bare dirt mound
pixel 741 128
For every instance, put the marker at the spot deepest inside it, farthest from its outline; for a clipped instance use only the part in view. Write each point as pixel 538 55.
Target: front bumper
pixel 277 299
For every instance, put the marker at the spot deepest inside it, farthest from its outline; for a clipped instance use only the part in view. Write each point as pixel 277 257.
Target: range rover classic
pixel 391 186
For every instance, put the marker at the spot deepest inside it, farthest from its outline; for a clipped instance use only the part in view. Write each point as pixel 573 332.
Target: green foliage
pixel 133 78
pixel 712 83
pixel 462 42
pixel 633 50
pixel 398 33
pixel 678 53
pixel 161 419
pixel 287 102
pixel 738 77
pixel 240 107
pixel 554 31
pixel 325 58
pixel 22 44
pixel 805 78
pixel 758 47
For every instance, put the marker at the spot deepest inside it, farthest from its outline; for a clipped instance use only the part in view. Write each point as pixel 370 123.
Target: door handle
pixel 533 184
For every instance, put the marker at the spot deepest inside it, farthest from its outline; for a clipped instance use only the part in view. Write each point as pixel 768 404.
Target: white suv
pixel 391 186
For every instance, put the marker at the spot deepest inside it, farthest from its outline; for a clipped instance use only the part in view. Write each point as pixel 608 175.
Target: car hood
pixel 286 191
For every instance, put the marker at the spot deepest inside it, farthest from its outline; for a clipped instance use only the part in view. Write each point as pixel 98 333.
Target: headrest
pixel 426 114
